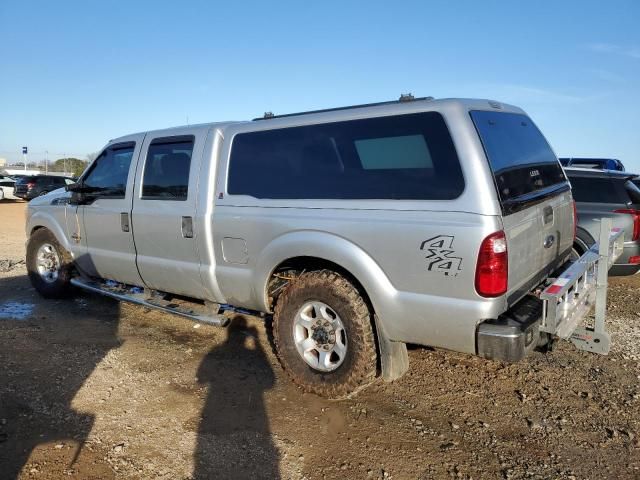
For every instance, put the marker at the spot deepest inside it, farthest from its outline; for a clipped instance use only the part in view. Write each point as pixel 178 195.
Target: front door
pixel 105 234
pixel 164 209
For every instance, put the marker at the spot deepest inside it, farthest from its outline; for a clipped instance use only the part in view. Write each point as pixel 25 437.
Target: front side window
pixel 403 157
pixel 108 175
pixel 166 170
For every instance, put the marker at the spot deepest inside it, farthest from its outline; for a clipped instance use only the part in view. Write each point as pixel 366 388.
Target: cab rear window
pixel 522 161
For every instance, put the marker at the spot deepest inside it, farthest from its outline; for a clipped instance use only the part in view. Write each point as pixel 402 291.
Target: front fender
pixel 46 218
pixel 309 243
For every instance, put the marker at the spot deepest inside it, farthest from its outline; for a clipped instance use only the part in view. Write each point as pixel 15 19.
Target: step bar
pixel 153 300
pixel 570 297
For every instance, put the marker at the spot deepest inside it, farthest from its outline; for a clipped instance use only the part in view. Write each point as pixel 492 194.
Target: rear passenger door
pixel 164 211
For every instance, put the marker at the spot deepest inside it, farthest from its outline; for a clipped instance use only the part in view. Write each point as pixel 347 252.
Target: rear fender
pixel 327 247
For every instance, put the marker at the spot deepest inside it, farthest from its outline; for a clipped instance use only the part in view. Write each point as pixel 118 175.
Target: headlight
pixel 60 201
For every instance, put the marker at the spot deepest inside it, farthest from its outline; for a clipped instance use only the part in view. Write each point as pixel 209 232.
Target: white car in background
pixel 7 188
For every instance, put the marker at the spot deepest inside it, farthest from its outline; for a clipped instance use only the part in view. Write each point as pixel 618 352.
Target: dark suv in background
pixel 36 185
pixel 606 193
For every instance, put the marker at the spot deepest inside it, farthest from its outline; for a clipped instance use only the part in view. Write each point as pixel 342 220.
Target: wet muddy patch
pixel 15 310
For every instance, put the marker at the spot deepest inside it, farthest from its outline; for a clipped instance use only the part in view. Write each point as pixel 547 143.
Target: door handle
pixel 124 221
pixel 187 227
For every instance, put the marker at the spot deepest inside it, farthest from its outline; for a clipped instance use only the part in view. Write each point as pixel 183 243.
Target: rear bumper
pixel 25 195
pixel 513 334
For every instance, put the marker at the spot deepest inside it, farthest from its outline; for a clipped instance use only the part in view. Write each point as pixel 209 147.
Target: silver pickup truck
pixel 446 223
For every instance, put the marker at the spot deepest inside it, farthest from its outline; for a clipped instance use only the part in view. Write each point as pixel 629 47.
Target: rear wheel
pixel 324 336
pixel 48 265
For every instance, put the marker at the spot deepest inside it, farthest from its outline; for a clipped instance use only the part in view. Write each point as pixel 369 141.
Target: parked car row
pixel 27 187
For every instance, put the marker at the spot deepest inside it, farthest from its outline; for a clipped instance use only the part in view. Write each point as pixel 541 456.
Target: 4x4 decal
pixel 441 255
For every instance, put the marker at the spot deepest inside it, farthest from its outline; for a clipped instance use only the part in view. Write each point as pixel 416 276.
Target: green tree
pixel 73 166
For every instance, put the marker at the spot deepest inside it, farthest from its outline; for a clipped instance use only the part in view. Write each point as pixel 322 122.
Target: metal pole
pixel 24 159
pixel 603 272
pixel 46 162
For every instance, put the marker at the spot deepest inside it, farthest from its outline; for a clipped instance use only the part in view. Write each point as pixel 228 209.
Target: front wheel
pixel 324 336
pixel 48 265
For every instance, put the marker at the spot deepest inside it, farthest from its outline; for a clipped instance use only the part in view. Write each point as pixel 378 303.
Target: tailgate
pixel 538 238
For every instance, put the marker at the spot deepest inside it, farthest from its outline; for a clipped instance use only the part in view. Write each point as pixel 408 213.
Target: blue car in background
pixel 599 163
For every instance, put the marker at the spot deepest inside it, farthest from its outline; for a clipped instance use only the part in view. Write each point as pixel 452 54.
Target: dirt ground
pixel 90 388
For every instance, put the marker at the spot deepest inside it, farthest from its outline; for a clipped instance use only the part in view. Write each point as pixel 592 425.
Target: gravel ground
pixel 90 388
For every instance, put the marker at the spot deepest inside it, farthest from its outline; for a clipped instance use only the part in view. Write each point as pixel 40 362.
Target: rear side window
pixel 166 170
pixel 403 157
pixel 521 159
pixel 597 190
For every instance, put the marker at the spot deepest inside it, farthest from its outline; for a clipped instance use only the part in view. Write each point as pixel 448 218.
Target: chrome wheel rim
pixel 320 336
pixel 48 262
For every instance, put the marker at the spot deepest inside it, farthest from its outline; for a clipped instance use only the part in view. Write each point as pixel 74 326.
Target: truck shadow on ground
pixel 234 438
pixel 45 358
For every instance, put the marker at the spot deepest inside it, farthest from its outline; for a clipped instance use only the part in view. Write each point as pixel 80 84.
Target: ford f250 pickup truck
pixel 446 223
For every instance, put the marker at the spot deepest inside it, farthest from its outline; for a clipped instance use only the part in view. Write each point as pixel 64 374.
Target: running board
pixel 138 296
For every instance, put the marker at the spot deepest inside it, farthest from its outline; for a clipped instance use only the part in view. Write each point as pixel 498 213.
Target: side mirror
pixel 80 193
pixel 74 188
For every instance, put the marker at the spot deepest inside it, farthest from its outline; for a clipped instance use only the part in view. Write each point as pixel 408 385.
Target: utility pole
pixel 46 162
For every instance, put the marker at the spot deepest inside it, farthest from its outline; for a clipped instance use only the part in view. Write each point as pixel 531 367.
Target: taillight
pixel 30 185
pixel 636 220
pixel 492 270
pixel 575 221
pixel 634 259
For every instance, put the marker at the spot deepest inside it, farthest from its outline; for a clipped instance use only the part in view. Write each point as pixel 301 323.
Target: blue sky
pixel 74 74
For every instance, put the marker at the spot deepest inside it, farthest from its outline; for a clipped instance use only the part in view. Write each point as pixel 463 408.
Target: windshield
pixel 521 159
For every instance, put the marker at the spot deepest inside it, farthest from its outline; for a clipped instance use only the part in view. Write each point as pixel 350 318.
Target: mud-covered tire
pixel 60 286
pixel 358 369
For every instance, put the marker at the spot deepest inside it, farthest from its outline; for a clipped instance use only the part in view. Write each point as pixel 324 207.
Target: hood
pixel 55 197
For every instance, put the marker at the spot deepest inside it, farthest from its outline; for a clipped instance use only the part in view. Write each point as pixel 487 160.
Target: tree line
pixel 73 166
